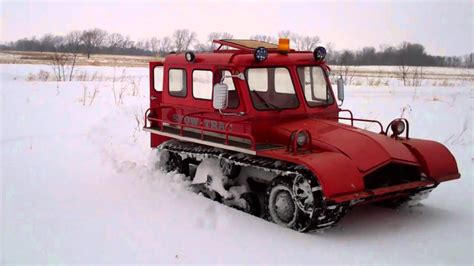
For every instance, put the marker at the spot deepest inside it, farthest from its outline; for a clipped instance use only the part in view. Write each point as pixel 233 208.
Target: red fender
pixel 336 173
pixel 435 159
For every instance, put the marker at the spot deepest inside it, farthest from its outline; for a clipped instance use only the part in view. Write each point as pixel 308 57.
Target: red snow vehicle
pixel 267 116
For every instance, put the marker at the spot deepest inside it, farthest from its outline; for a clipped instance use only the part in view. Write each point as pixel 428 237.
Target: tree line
pixel 98 41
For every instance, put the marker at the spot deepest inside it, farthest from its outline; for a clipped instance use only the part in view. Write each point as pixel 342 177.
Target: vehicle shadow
pixel 372 219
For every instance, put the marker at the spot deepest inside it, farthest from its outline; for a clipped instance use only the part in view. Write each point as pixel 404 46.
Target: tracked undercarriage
pixel 311 211
pixel 290 187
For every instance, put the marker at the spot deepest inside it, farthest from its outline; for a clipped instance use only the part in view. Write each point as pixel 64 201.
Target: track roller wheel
pixel 207 193
pixel 176 163
pixel 229 169
pixel 252 203
pixel 283 205
pixel 297 203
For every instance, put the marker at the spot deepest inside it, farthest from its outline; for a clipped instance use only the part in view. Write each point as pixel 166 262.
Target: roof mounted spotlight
pixel 190 56
pixel 260 54
pixel 319 53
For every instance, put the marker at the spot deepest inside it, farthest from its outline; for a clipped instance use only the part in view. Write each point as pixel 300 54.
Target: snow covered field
pixel 78 184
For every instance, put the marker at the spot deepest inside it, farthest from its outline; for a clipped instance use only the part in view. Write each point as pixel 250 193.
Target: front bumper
pixel 384 192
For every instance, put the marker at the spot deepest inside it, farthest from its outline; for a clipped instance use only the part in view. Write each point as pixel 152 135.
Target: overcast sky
pixel 444 27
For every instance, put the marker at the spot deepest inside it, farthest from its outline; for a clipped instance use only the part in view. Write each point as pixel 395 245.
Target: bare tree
pixel 216 36
pixel 263 38
pixel 143 45
pixel 201 47
pixel 346 67
pixel 308 43
pixel 127 43
pixel 115 40
pixel 285 34
pixel 92 39
pixel 154 45
pixel 50 42
pixel 219 36
pixel 183 39
pixel 73 46
pixel 59 62
pixel 403 69
pixel 165 46
pixel 416 77
pixel 330 51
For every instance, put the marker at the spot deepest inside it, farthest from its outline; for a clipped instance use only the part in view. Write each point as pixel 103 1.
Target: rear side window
pixel 158 78
pixel 202 84
pixel 233 95
pixel 177 82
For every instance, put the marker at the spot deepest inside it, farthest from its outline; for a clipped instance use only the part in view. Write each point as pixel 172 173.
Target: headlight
pixel 301 139
pixel 398 126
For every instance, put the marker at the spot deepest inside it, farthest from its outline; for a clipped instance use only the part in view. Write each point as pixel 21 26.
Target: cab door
pixel 156 83
pixel 156 97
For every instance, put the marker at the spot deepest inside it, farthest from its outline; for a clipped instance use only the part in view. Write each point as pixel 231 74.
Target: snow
pixel 79 185
pixel 211 168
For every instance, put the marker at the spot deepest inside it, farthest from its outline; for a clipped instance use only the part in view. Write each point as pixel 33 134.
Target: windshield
pixel 271 88
pixel 316 90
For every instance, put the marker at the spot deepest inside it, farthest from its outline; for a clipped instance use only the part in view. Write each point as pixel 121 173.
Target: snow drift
pixel 79 185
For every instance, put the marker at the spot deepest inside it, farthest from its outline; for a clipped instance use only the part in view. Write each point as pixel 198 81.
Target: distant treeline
pixel 410 54
pixel 98 41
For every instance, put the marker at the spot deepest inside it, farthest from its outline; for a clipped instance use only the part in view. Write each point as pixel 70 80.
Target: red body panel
pixel 366 149
pixel 336 173
pixel 435 159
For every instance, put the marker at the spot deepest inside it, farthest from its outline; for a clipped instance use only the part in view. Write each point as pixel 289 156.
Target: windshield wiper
pixel 269 105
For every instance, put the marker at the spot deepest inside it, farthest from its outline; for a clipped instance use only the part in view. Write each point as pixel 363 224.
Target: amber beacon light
pixel 284 45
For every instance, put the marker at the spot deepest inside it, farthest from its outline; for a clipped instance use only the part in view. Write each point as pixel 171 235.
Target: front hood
pixel 366 149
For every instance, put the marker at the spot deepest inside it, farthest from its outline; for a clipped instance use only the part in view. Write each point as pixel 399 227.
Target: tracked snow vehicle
pixel 265 119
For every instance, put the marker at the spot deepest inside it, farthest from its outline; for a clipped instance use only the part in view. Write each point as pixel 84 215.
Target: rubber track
pixel 324 217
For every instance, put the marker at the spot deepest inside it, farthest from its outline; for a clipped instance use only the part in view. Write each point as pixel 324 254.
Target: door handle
pixel 153 98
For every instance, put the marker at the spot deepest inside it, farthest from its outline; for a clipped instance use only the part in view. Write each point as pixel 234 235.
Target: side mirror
pixel 340 89
pixel 220 96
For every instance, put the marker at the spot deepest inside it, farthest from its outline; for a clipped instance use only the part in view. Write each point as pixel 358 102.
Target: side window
pixel 271 88
pixel 320 87
pixel 258 79
pixel 158 78
pixel 283 82
pixel 314 86
pixel 233 95
pixel 202 84
pixel 177 82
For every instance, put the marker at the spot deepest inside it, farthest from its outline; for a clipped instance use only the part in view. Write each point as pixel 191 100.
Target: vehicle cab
pixel 258 84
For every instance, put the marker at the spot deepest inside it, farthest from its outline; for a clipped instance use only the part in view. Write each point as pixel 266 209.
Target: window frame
pixel 328 87
pixel 292 82
pixel 212 85
pixel 185 82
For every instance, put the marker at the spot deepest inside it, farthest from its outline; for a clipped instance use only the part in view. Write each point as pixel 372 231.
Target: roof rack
pixel 246 45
